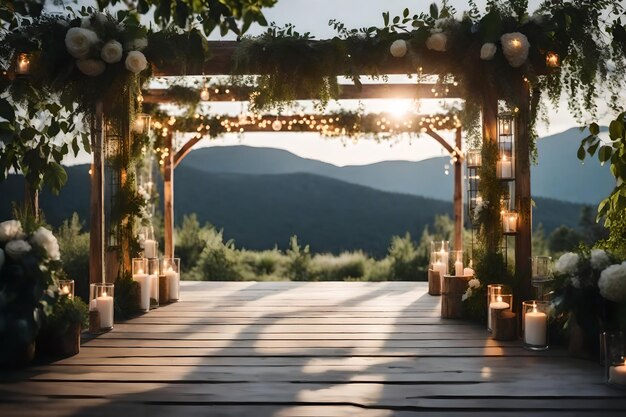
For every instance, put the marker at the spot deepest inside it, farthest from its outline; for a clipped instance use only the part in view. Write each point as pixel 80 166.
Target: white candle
pixel 469 272
pixel 173 279
pixel 458 268
pixel 150 248
pixel 92 304
pixel 154 287
pixel 496 305
pixel 144 286
pixel 104 305
pixel 535 327
pixel 506 169
pixel 511 223
pixel 440 268
pixel 617 375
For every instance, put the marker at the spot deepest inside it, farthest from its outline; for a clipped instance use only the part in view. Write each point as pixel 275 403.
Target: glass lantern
pixel 153 277
pixel 148 242
pixel 66 287
pixel 499 297
pixel 439 255
pixel 535 317
pixel 141 276
pixel 505 168
pixel 170 269
pixel 473 161
pixel 141 124
pixel 456 263
pixel 101 298
pixel 509 221
pixel 23 63
pixel 614 358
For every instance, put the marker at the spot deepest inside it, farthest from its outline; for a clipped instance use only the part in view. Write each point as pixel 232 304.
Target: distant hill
pixel 259 211
pixel 558 173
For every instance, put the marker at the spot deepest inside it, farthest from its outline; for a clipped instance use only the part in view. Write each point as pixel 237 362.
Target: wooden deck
pixel 307 350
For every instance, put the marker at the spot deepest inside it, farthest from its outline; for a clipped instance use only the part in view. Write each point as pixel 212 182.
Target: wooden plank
pixel 96 204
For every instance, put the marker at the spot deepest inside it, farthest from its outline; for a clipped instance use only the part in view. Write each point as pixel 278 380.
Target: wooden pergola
pixel 222 63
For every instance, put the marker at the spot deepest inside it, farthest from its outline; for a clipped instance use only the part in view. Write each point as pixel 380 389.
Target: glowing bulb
pixel 204 94
pixel 277 125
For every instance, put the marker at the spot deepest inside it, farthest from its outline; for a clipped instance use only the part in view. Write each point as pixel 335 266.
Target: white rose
pixel 612 283
pixel 16 248
pixel 136 62
pixel 111 52
pixel 474 283
pixel 1 259
pixel 91 67
pixel 599 259
pixel 515 48
pixel 467 294
pixel 10 229
pixel 567 263
pixel 138 44
pixel 46 240
pixel 437 42
pixel 398 48
pixel 79 41
pixel 488 51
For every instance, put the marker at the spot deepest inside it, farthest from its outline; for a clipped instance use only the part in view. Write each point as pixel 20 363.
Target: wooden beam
pixel 441 140
pixel 346 92
pixel 458 195
pixel 168 198
pixel 96 222
pixel 523 238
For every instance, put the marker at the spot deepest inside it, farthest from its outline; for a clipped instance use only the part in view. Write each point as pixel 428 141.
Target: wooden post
pixel 458 196
pixel 96 222
pixel 523 238
pixel 168 198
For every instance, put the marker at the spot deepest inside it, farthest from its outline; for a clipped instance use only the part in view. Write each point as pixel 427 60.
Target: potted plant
pixel 29 262
pixel 60 334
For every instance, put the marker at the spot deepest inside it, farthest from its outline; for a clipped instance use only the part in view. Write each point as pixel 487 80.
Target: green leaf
pixel 6 110
pixel 75 147
pixel 53 129
pixel 386 18
pixel 434 11
pixel 86 144
pixel 605 153
pixel 55 177
pixel 593 148
pixel 581 153
pixel 28 133
pixel 594 129
pixel 616 129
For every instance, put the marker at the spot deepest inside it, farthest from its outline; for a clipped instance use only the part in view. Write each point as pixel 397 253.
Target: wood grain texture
pixel 306 350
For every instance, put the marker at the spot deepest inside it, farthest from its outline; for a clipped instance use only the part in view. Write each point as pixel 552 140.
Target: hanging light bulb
pixel 204 94
pixel 277 125
pixel 140 98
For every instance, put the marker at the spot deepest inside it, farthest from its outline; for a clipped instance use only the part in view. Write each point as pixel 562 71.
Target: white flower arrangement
pixel 515 47
pixel 138 44
pixel 136 62
pixel 599 259
pixel 46 240
pixel 111 52
pixel 612 283
pixel 10 229
pixel 472 285
pixel 488 51
pixel 17 248
pixel 79 42
pixel 91 67
pixel 568 264
pixel 437 42
pixel 398 48
pixel 467 294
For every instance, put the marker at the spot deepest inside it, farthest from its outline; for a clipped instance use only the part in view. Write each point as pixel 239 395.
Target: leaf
pixel 405 13
pixel 86 144
pixel 75 147
pixel 386 18
pixel 55 177
pixel 28 134
pixel 581 153
pixel 593 148
pixel 53 129
pixel 6 110
pixel 594 129
pixel 434 11
pixel 616 129
pixel 605 153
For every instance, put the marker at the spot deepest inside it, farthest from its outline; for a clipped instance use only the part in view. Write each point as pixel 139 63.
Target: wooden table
pixel 308 350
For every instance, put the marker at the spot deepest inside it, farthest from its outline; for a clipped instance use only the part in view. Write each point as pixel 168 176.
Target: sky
pixel 313 16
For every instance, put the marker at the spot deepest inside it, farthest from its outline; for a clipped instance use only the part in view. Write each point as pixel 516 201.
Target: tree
pixel 564 239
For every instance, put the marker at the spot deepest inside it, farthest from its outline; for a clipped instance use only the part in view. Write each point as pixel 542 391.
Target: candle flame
pixel 516 43
pixel 104 294
pixel 534 307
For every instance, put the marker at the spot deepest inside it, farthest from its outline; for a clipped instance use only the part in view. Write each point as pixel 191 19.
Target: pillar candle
pixel 617 375
pixel 173 281
pixel 144 285
pixel 458 268
pixel 496 305
pixel 535 327
pixel 506 168
pixel 150 248
pixel 104 305
pixel 439 267
pixel 154 287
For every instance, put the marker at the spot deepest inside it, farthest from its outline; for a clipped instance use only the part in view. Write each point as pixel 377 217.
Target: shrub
pixel 74 246
pixel 328 267
pixel 299 261
pixel 218 260
pixel 404 259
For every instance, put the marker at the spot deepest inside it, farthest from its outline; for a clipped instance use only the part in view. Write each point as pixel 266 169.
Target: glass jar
pixel 498 297
pixel 535 318
pixel 439 255
pixel 614 358
pixel 153 277
pixel 456 263
pixel 170 269
pixel 66 287
pixel 101 298
pixel 141 276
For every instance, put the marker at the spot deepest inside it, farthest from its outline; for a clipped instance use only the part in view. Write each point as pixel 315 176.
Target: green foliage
pixel 346 266
pixel 404 259
pixel 299 261
pixel 74 246
pixel 564 239
pixel 66 312
pixel 217 261
pixel 190 240
pixel 127 295
pixel 491 190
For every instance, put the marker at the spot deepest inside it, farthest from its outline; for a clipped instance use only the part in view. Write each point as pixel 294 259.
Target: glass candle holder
pixel 614 358
pixel 535 316
pixel 439 255
pixel 153 277
pixel 23 63
pixel 101 301
pixel 541 268
pixel 141 276
pixel 509 221
pixel 498 297
pixel 170 269
pixel 456 262
pixel 66 287
pixel 474 158
pixel 148 242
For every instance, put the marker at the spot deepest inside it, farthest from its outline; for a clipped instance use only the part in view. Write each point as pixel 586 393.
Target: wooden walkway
pixel 306 350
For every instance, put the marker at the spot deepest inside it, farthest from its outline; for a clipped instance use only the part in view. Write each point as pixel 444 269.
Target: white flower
pixel 138 44
pixel 10 229
pixel 467 294
pixel 46 240
pixel 474 283
pixel 488 51
pixel 91 67
pixel 567 263
pixel 111 52
pixel 437 42
pixel 136 62
pixel 515 48
pixel 16 248
pixel 1 259
pixel 79 41
pixel 398 48
pixel 612 283
pixel 599 259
